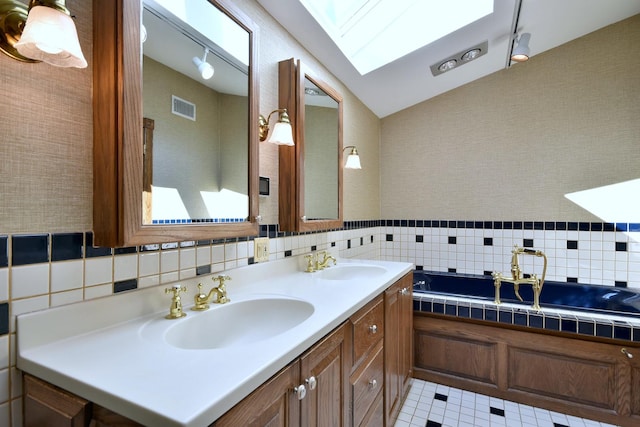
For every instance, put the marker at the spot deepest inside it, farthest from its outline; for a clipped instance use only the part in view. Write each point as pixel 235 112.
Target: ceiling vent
pixel 183 108
pixel 460 58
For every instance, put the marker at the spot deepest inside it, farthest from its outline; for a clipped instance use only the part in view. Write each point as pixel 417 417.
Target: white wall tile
pixel 98 270
pixel 29 280
pixel 67 275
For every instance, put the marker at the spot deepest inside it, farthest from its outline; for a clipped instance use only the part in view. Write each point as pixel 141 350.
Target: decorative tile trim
pixel 29 249
pixel 617 327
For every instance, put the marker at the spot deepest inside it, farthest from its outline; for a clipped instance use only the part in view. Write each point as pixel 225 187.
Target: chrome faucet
pixel 220 292
pixel 517 279
pixel 314 263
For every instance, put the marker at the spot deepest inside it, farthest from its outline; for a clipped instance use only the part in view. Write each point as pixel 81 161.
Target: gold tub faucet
pixel 202 300
pixel 517 279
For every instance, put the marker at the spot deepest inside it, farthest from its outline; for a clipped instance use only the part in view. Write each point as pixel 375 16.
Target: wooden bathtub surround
pixel 586 378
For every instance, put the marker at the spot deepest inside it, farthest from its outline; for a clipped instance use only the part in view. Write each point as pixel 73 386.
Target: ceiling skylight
pixel 373 33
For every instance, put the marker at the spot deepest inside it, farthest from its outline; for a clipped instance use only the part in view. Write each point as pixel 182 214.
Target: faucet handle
pixel 310 263
pixel 175 311
pixel 221 279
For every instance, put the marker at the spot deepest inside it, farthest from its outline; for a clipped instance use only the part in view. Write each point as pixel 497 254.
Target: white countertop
pixel 112 351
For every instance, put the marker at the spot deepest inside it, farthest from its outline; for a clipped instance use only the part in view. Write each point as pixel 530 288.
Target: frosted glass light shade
pixel 282 134
pixel 50 36
pixel 353 162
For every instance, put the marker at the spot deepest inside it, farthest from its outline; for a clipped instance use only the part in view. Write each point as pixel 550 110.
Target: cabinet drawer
pixel 368 329
pixel 366 384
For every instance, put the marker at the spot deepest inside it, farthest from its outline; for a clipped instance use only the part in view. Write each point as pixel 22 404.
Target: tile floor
pixel 434 405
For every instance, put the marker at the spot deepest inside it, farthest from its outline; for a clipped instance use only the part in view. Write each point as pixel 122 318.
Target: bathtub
pixel 600 311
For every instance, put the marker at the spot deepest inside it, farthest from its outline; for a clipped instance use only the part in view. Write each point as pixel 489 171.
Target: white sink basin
pixel 238 323
pixel 350 272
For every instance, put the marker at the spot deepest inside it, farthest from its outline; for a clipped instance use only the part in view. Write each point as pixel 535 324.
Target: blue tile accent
pixel 505 317
pixel 4 318
pixel 552 323
pixel 621 246
pixel 4 254
pixel 464 311
pixel 450 309
pixel 30 249
pixel 586 327
pixel 476 313
pixel 438 307
pixel 491 315
pixel 520 319
pixel 203 269
pixel 621 332
pixel 125 285
pixel 569 325
pixel 91 251
pixel 634 226
pixel 604 331
pixel 125 251
pixel 535 321
pixel 65 246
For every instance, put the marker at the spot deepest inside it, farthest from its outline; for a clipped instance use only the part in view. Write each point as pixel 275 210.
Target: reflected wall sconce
pixel 353 159
pixel 42 32
pixel 521 52
pixel 282 133
pixel 204 68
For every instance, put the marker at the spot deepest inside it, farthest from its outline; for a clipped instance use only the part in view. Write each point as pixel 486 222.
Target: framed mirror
pixel 175 150
pixel 310 179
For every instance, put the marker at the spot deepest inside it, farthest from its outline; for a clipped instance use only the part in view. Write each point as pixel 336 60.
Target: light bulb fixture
pixel 204 68
pixel 282 133
pixel 42 32
pixel 459 59
pixel 353 159
pixel 521 52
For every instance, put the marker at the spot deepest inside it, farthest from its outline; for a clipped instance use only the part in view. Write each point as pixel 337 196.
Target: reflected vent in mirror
pixel 183 108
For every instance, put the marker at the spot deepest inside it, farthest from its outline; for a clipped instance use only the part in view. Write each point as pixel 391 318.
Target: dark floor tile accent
pixel 621 246
pixel 441 397
pixel 527 243
pixel 451 270
pixel 433 424
pixel 4 318
pixel 66 246
pixel 452 240
pixel 29 249
pixel 559 425
pixel 620 284
pixel 348 246
pixel 496 411
pixel 125 251
pixel 203 269
pixel 288 253
pixel 572 244
pixel 488 241
pixel 419 239
pixel 125 285
pixel 4 254
pixel 389 237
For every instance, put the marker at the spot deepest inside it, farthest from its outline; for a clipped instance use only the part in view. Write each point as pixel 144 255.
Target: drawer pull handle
pixel 373 329
pixel 626 353
pixel 300 391
pixel 373 383
pixel 404 291
pixel 311 382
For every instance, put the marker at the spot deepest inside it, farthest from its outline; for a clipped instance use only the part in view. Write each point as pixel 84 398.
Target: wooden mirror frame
pixel 118 132
pixel 291 159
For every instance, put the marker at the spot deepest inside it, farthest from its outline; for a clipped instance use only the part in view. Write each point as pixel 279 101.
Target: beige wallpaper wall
pixel 46 134
pixel 509 146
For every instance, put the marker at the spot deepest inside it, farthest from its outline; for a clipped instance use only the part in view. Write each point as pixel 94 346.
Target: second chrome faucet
pixel 202 300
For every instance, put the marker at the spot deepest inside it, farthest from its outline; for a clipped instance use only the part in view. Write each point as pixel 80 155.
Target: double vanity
pixel 122 354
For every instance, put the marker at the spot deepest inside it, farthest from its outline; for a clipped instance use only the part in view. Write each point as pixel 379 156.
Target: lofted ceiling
pixel 408 80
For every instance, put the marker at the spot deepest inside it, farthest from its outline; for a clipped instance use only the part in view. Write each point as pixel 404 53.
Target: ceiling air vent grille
pixel 183 108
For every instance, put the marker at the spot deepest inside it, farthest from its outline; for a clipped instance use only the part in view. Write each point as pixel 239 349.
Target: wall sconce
pixel 43 32
pixel 353 159
pixel 282 132
pixel 521 52
pixel 205 69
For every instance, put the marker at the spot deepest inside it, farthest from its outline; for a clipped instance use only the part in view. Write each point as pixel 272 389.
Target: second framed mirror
pixel 310 179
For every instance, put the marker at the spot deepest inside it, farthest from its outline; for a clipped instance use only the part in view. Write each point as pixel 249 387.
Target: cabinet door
pixel 273 404
pixel 324 371
pixel 46 404
pixel 398 314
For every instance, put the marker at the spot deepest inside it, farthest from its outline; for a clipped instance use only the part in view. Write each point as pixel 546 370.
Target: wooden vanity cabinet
pixel 276 404
pixel 361 373
pixel 367 371
pixel 398 345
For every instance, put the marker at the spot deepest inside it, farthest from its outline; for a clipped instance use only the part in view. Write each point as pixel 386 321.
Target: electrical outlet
pixel 261 249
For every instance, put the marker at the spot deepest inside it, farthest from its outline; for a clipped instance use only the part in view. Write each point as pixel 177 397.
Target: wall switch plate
pixel 261 249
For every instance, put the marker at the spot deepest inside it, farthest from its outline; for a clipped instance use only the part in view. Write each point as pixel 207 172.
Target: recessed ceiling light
pixel 447 65
pixel 471 55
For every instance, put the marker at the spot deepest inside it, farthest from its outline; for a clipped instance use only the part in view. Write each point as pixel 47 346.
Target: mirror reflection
pixel 196 135
pixel 321 153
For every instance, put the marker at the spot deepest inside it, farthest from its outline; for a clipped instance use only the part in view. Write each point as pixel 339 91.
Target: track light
pixel 521 52
pixel 205 69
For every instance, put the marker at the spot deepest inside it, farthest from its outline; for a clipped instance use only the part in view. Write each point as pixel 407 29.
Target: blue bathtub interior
pixel 572 296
